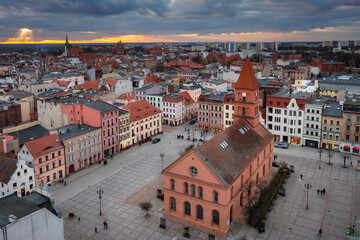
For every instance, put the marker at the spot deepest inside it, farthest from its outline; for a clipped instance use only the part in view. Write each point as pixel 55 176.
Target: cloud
pixel 86 19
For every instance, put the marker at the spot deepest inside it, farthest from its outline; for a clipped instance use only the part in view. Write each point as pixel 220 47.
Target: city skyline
pixel 178 21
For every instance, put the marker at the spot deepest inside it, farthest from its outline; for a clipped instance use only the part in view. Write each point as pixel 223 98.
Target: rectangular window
pixel 216 196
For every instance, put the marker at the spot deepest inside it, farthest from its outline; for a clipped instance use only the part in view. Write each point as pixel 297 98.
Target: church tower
pixel 247 96
pixel 68 48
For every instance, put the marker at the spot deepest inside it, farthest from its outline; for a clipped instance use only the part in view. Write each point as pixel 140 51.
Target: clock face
pixel 244 94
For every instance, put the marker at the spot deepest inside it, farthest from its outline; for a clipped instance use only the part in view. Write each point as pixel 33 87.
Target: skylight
pixel 224 144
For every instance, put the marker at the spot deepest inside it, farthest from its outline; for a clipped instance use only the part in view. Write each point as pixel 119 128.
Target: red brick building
pixel 209 186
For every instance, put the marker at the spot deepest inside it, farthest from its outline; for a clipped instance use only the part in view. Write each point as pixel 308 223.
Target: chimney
pixel 12 218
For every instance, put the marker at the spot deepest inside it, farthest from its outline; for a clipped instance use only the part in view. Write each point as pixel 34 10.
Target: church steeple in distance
pixel 247 95
pixel 67 40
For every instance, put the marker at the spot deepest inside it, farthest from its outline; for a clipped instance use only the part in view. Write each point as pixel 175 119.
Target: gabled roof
pixel 37 146
pixel 247 79
pixel 188 99
pixel 141 109
pixel 242 144
pixel 7 169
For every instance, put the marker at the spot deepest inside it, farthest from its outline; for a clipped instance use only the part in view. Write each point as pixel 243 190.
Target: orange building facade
pixel 208 186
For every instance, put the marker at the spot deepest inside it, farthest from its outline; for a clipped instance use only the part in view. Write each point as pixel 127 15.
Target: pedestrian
pixel 95 229
pixel 104 223
pixel 301 176
pixel 351 164
pixel 78 218
pixel 320 232
pixel 324 190
pixel 321 192
pixel 318 191
pixel 64 183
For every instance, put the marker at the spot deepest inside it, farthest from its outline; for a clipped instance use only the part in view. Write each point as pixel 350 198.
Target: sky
pixel 109 21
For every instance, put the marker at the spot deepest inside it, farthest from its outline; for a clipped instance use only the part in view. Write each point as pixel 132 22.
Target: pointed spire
pixel 247 79
pixel 67 41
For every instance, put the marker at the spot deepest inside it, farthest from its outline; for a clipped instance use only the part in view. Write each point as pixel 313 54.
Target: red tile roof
pixel 247 79
pixel 127 96
pixel 141 109
pixel 188 99
pixel 38 146
pixel 88 85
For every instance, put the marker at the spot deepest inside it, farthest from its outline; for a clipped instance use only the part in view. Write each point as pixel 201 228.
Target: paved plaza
pixel 135 175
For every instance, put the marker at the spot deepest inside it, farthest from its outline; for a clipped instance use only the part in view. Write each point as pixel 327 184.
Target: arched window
pixel 241 200
pixel 199 212
pixel 216 217
pixel 243 111
pixel 264 170
pixel 193 190
pixel 200 192
pixel 186 186
pixel 172 184
pixel 257 178
pixel 172 204
pixel 187 208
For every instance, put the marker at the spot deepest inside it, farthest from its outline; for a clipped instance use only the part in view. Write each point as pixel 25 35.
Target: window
pixel 54 175
pixel 172 182
pixel 241 200
pixel 187 209
pixel 54 164
pixel 53 155
pixel 47 167
pixel 216 217
pixel 347 137
pixel 199 212
pixel 347 127
pixel 200 192
pixel 14 185
pixel 325 121
pixel 216 196
pixel 356 138
pixel 331 122
pixel 172 204
pixel 186 185
pixel 59 153
pixel 40 170
pixel 193 190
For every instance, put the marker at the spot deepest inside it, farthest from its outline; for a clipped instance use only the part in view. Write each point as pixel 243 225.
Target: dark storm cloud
pixel 111 17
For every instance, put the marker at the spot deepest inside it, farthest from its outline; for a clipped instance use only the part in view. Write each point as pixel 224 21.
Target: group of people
pixel 105 223
pixel 321 192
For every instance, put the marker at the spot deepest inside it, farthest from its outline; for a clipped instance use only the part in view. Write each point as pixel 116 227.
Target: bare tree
pixel 186 149
pixel 146 206
pixel 254 196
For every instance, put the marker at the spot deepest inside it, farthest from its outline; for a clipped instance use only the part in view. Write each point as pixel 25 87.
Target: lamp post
pixel 100 192
pixel 162 161
pixel 307 186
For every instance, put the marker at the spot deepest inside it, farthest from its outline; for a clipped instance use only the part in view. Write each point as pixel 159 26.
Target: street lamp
pixel 307 186
pixel 162 161
pixel 100 192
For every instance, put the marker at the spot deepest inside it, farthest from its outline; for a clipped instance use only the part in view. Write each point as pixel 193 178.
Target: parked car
pixel 191 122
pixel 281 145
pixel 156 140
pixel 276 164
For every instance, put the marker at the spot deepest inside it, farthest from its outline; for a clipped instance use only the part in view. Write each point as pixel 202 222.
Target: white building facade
pixel 312 123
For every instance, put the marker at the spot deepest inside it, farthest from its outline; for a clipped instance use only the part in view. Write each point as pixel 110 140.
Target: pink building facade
pixel 98 114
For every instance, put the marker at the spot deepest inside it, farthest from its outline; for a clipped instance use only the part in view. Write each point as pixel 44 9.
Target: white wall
pixel 40 225
pixel 25 178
